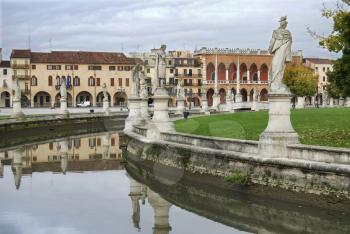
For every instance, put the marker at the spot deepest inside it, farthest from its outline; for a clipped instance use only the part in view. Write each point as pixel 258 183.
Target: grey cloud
pixel 107 25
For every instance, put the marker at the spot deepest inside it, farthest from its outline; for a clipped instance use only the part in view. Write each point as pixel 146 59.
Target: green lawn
pixel 328 127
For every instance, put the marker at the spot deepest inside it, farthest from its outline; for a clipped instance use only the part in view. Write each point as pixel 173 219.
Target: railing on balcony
pixel 20 66
pixel 188 75
pixel 21 77
pixel 26 91
pixel 69 87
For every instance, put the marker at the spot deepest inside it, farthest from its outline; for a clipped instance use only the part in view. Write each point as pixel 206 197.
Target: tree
pixel 339 41
pixel 300 80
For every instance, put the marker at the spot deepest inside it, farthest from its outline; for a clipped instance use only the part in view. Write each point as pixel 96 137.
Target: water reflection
pixel 49 197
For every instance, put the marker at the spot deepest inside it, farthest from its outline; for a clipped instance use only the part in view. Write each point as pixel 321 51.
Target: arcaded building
pixel 222 68
pixel 40 75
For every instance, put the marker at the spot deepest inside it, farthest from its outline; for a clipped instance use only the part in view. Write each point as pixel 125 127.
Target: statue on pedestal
pixel 17 90
pixel 280 48
pixel 255 94
pixel 104 90
pixel 136 76
pixel 180 94
pixel 63 89
pixel 143 86
pixel 160 66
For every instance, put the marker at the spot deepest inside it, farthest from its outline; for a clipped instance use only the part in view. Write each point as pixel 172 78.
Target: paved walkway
pixel 45 111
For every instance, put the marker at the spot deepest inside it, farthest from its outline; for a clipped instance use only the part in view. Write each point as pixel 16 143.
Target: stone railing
pixel 238 51
pixel 244 146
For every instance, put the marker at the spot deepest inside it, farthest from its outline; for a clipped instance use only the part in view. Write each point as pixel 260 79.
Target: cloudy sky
pixel 139 25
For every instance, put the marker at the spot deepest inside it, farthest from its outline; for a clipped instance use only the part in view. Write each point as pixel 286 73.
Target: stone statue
pixel 325 97
pixel 63 89
pixel 280 48
pixel 104 90
pixel 255 94
pixel 179 90
pixel 143 86
pixel 17 90
pixel 160 64
pixel 135 92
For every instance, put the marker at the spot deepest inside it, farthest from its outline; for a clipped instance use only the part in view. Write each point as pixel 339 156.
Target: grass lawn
pixel 327 127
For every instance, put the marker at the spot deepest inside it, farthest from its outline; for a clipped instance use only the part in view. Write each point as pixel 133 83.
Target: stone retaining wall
pixel 222 157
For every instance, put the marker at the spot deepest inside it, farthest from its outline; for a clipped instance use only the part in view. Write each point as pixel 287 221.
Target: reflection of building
pixel 320 67
pixel 5 83
pixel 222 67
pixel 84 72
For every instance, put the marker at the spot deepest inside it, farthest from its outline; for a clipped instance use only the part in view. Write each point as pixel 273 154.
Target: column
pixel 238 84
pixel 259 77
pixel 135 195
pixel 64 155
pixel 248 76
pixel 17 166
pixel 226 75
pixel 216 74
pixel 161 213
pixel 204 71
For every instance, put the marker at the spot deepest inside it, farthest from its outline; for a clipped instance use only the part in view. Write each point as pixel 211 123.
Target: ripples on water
pixel 79 185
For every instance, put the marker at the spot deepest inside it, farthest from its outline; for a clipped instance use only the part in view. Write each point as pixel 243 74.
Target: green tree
pixel 339 41
pixel 300 80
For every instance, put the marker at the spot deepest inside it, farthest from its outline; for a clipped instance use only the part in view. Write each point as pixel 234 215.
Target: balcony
pixel 20 66
pixel 69 87
pixel 27 91
pixel 21 77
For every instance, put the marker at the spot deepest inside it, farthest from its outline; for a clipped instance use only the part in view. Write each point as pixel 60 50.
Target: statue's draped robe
pixel 280 47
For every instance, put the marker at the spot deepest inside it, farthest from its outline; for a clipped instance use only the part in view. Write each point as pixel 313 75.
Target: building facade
pixel 5 83
pixel 320 68
pixel 229 70
pixel 40 76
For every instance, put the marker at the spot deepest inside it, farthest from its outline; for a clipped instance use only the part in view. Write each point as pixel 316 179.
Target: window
pixel 92 142
pixel 112 82
pixel 91 81
pixel 324 79
pixel 169 62
pixel 4 84
pixel 185 72
pixel 171 71
pixel 33 67
pixel 69 81
pixel 50 146
pixel 146 62
pixel 49 67
pixel 69 67
pixel 316 69
pixel 26 87
pixel 148 70
pixel 76 81
pixel 171 81
pixel 190 72
pixel 127 68
pixel 47 98
pixel 4 71
pixel 127 82
pixel 190 80
pixel 53 67
pixel 112 68
pixel 34 81
pixel 324 69
pixel 120 68
pixel 112 141
pixel 176 72
pixel 98 80
pixel 199 71
pixel 95 68
pixel 76 143
pixel 120 81
pixel 50 80
pixel 58 81
pixel 327 68
pixel 98 141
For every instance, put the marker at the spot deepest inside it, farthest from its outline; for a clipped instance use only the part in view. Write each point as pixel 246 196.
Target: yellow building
pixel 40 76
pixel 5 82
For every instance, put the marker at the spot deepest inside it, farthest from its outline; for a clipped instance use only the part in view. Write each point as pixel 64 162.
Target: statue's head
pixel 283 22
pixel 163 47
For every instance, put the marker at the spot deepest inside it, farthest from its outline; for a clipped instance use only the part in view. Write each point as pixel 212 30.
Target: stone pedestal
pixel 238 102
pixel 205 106
pixel 347 102
pixel 254 106
pixel 180 106
pixel 17 109
pixel 279 132
pixel 160 121
pixel 144 109
pixel 64 109
pixel 341 101
pixel 300 103
pixel 331 102
pixel 324 103
pixel 106 109
pixel 216 102
pixel 228 106
pixel 134 116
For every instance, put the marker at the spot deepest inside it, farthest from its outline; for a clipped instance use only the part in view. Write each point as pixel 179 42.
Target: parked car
pixel 84 104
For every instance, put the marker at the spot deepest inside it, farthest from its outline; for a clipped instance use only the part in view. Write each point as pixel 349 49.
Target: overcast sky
pixel 139 25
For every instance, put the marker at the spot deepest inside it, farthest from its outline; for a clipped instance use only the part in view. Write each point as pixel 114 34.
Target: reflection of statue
pixel 104 90
pixel 280 48
pixel 63 89
pixel 136 76
pixel 160 65
pixel 180 94
pixel 143 86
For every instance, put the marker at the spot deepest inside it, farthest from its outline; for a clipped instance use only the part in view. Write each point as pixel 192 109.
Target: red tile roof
pixel 75 57
pixel 319 60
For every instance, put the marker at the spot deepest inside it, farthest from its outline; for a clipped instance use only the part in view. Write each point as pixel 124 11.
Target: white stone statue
pixel 160 64
pixel 17 90
pixel 325 97
pixel 180 94
pixel 280 48
pixel 63 89
pixel 255 94
pixel 104 90
pixel 143 86
pixel 136 76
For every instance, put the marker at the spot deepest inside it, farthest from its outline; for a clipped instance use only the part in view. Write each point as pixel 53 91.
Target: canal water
pixel 81 184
